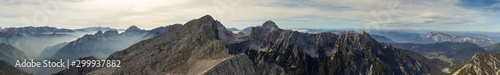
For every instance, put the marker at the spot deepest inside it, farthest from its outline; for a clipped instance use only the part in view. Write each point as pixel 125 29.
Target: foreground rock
pixel 194 48
pixel 480 64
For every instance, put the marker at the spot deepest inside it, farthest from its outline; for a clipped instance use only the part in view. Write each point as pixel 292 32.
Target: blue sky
pixel 443 15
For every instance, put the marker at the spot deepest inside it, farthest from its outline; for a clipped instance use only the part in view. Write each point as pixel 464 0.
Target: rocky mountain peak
pixel 270 25
pixel 194 48
pixel 111 33
pixel 207 18
pixel 438 33
pixel 98 33
pixel 205 25
pixel 363 32
pixel 133 29
pixel 356 41
pixel 480 64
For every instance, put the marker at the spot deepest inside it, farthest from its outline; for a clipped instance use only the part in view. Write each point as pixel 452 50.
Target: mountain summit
pixel 270 25
pixel 194 48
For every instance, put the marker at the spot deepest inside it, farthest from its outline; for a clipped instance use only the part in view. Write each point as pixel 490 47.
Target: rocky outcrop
pixel 194 48
pixel 235 65
pixel 328 53
pixel 480 64
pixel 456 53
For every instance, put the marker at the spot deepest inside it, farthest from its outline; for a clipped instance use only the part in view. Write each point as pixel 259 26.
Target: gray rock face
pixel 270 69
pixel 194 48
pixel 328 53
pixel 161 30
pixel 480 64
pixel 235 65
pixel 225 36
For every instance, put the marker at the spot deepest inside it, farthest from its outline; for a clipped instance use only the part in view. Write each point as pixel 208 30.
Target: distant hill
pixel 246 30
pixel 96 29
pixel 233 29
pixel 382 39
pixel 443 37
pixel 11 54
pixel 36 30
pixel 493 48
pixel 456 53
pixel 48 52
pixel 431 37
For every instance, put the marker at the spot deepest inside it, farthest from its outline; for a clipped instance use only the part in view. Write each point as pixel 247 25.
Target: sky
pixel 444 15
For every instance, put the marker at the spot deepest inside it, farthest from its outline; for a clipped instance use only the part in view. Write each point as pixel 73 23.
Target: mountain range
pixel 194 48
pixel 493 48
pixel 209 48
pixel 455 53
pixel 329 53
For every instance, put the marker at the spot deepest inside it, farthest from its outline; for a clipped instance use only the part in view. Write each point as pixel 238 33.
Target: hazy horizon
pixel 441 15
